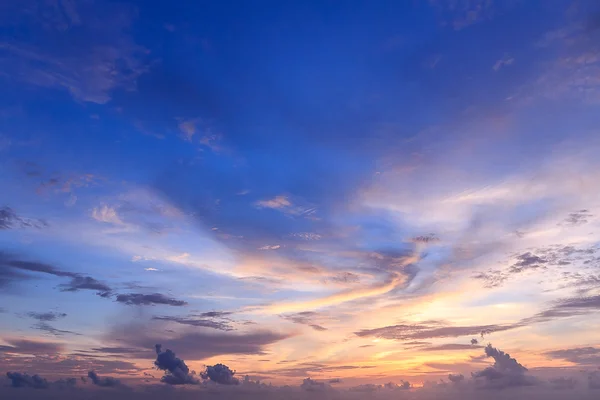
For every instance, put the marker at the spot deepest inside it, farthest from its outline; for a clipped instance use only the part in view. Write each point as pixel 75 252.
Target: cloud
pixel 93 58
pixel 86 283
pixel 506 372
pixel 503 62
pixel 139 299
pixel 10 220
pixel 578 355
pixel 188 128
pixel 32 347
pixel 176 371
pixel 577 218
pixel 24 380
pixel 594 380
pixel 277 202
pixel 430 331
pixel 451 346
pixel 312 385
pixel 200 322
pixel 563 383
pixel 213 342
pixel 272 247
pixel 47 316
pixel 455 378
pixel 304 318
pixel 220 373
pixel 107 214
pixel 106 381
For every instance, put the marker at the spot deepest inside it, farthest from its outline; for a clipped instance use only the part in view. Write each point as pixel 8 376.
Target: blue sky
pixel 333 179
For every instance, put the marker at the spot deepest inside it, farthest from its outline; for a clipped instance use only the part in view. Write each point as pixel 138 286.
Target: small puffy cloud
pixel 140 299
pixel 220 373
pixel 107 214
pixel 188 128
pixel 176 371
pixel 474 341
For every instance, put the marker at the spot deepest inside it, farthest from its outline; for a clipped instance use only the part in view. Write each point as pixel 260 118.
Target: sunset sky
pixel 368 191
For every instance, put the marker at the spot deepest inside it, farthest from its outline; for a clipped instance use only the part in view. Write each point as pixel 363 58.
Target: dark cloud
pixel 430 330
pixel 577 218
pixel 527 261
pixel 305 318
pixel 10 220
pixel 86 283
pixel 176 371
pixel 46 327
pixel 555 256
pixel 24 380
pixel 335 380
pixel 215 314
pixel 579 355
pixel 31 347
pixel 139 299
pixel 455 378
pixel 206 323
pixel 12 269
pixel 215 342
pixel 220 373
pixel 474 341
pixel 430 238
pixel 47 316
pixel 106 381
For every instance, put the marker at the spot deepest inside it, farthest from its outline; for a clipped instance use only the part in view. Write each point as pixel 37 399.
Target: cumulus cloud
pixel 106 381
pixel 220 373
pixel 176 371
pixel 506 372
pixel 140 299
pixel 18 379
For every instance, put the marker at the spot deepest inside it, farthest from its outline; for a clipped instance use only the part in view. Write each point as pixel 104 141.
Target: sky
pixel 349 192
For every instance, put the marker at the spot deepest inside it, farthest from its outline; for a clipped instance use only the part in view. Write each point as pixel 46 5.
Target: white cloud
pixel 276 202
pixel 107 214
pixel 274 247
